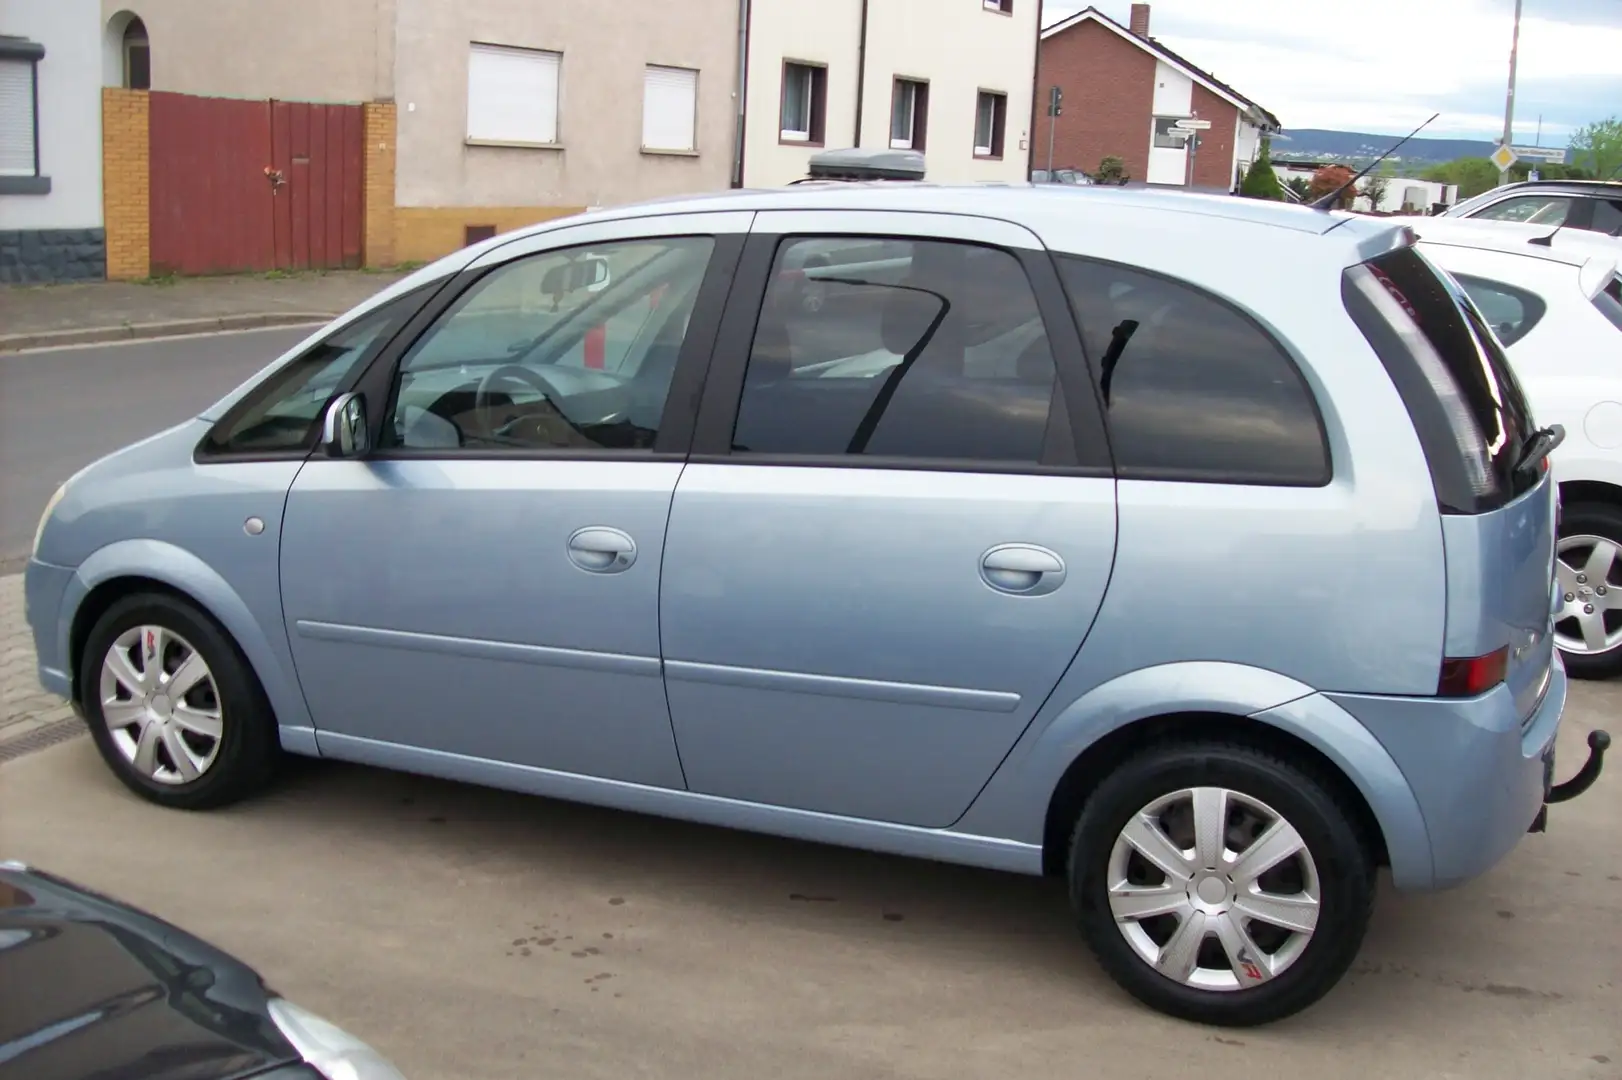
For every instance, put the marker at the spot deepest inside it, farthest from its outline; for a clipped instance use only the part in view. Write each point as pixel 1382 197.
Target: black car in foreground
pixel 92 989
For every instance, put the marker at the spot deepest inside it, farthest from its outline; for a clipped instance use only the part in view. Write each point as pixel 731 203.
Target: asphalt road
pixel 61 409
pixel 475 935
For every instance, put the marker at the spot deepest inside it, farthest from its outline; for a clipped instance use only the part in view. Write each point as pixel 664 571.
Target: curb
pixel 92 335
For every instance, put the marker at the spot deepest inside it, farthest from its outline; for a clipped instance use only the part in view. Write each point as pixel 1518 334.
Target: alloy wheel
pixel 1213 889
pixel 161 705
pixel 1590 616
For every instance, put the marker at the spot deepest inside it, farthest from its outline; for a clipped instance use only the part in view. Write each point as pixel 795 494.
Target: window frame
pixel 1291 356
pixel 993 150
pixel 1155 136
pixel 725 229
pixel 998 7
pixel 1076 444
pixel 918 120
pixel 816 124
pixel 26 52
pixel 554 56
pixel 691 149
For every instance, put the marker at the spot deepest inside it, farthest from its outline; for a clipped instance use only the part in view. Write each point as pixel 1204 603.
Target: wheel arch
pixel 134 566
pixel 1582 491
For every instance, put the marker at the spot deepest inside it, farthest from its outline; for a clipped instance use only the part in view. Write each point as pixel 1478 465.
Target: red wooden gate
pixel 254 185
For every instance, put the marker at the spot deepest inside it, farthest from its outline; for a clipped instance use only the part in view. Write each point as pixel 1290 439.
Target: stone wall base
pixel 37 256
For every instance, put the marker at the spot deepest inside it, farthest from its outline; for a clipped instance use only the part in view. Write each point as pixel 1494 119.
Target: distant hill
pixel 1313 144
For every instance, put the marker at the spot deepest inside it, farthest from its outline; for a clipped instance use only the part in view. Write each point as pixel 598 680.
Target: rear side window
pixel 1609 301
pixel 1466 405
pixel 1607 217
pixel 1531 209
pixel 1511 312
pixel 1194 389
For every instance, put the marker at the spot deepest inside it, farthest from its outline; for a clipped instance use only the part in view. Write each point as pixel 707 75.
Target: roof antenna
pixel 1329 200
pixel 1547 241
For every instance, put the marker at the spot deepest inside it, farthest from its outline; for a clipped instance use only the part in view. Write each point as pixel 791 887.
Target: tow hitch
pixel 1598 743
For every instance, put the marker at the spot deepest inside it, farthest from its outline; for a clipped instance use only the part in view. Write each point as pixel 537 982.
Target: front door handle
pixel 601 550
pixel 1022 569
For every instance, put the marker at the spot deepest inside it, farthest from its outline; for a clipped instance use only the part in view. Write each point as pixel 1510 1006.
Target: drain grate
pixel 43 738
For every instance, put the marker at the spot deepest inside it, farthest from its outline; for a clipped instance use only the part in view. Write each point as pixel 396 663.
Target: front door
pixel 486 582
pixel 890 541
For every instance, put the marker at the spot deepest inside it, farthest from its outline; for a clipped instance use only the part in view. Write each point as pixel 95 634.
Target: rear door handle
pixel 1022 569
pixel 598 549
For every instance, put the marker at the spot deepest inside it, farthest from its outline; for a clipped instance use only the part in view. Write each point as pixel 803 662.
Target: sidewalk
pixel 34 316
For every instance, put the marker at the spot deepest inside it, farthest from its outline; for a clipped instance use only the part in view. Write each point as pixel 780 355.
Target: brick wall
pixel 1213 163
pixel 1109 94
pixel 379 246
pixel 125 179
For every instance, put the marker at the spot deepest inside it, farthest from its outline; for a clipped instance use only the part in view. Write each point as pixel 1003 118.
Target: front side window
pixel 917 349
pixel 283 414
pixel 1511 312
pixel 1194 390
pixel 909 114
pixel 566 350
pixel 1532 209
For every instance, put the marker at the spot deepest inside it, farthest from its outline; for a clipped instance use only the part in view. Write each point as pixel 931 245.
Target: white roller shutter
pixel 669 108
pixel 16 118
pixel 512 94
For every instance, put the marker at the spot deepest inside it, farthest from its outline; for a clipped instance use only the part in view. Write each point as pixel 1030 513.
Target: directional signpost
pixel 1192 126
pixel 1503 157
pixel 1553 155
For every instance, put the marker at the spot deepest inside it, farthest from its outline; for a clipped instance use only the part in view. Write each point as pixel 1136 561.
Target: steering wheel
pixel 529 377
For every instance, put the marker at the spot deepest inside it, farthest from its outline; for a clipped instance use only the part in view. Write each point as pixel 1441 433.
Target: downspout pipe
pixel 861 73
pixel 739 128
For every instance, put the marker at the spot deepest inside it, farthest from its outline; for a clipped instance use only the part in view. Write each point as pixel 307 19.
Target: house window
pixel 1002 7
pixel 805 101
pixel 909 114
pixel 137 56
pixel 990 118
pixel 19 118
pixel 512 95
pixel 669 109
pixel 1168 136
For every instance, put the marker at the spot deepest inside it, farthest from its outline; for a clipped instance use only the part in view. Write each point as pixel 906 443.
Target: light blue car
pixel 1199 551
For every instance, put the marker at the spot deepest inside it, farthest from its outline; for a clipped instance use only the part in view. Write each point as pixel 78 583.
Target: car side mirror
pixel 344 434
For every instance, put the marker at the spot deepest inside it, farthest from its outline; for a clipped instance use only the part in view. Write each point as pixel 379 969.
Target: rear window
pixel 1466 404
pixel 1609 301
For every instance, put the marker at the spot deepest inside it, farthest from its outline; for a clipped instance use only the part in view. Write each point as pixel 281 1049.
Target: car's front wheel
pixel 174 709
pixel 1588 566
pixel 1220 884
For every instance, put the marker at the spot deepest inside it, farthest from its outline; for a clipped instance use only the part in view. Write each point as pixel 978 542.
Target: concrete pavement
pixel 61 410
pixel 476 935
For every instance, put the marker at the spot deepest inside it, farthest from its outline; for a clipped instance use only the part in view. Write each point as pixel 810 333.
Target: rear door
pixel 897 524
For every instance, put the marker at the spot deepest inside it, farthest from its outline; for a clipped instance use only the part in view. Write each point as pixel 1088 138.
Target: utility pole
pixel 1509 100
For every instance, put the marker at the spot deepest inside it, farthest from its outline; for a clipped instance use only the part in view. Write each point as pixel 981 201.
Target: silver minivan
pixel 1197 551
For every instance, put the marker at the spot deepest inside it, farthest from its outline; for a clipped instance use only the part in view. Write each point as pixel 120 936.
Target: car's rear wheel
pixel 1220 884
pixel 1588 566
pixel 175 710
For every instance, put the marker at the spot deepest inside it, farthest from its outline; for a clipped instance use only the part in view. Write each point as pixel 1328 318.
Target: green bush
pixel 1260 181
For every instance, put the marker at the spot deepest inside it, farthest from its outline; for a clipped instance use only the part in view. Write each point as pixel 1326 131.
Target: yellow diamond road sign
pixel 1504 157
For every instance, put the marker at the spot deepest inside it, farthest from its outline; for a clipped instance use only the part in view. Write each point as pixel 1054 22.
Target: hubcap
pixel 1213 889
pixel 161 705
pixel 1590 615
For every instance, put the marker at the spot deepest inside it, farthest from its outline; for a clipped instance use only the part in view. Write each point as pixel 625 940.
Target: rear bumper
pixel 44 586
pixel 1480 777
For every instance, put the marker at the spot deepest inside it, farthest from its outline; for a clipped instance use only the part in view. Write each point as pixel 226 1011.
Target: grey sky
pixel 1383 66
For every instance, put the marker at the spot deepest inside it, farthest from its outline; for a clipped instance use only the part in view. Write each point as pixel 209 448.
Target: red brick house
pixel 1123 95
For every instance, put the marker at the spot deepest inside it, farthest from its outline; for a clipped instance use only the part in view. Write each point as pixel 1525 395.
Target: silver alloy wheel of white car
pixel 1585 566
pixel 161 705
pixel 1214 889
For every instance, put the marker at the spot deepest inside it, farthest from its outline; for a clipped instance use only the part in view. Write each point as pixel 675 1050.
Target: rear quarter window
pixel 1193 388
pixel 1511 312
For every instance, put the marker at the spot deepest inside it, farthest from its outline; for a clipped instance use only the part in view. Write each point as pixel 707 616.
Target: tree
pixel 1112 170
pixel 1301 186
pixel 1377 184
pixel 1473 175
pixel 1332 178
pixel 1260 181
pixel 1597 147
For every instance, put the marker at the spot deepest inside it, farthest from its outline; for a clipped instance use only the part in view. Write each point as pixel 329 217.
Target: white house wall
pixel 69 113
pixel 826 32
pixel 1174 96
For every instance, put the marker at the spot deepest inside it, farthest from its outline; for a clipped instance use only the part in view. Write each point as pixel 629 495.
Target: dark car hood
pixel 92 989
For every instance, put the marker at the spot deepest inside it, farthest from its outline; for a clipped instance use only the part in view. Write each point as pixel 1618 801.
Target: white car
pixel 1557 308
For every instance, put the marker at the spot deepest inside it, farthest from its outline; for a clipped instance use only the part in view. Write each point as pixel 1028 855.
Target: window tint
pixel 1607 217
pixel 1511 312
pixel 1609 301
pixel 1536 209
pixel 1193 389
pixel 566 350
pixel 917 349
pixel 284 413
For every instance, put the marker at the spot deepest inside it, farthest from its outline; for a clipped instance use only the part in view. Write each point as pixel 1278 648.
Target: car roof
pixel 1573 247
pixel 1595 188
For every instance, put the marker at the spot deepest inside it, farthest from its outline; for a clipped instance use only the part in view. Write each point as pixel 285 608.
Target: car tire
pixel 1581 525
pixel 215 743
pixel 1329 883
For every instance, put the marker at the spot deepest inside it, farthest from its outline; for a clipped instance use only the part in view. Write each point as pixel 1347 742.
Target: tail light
pixel 1471 676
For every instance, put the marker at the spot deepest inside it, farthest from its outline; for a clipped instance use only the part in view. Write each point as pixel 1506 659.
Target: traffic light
pixel 1055 100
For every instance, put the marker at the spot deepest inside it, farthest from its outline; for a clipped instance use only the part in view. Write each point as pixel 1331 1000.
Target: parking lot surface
pixel 473 934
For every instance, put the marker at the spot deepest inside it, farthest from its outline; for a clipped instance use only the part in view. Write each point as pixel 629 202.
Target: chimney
pixel 1139 23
